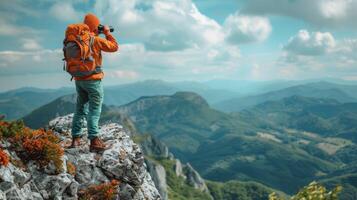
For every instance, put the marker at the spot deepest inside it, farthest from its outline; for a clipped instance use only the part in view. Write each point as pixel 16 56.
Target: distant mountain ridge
pixel 342 93
pixel 18 103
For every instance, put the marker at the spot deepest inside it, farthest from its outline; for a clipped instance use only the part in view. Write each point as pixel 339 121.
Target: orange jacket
pixel 109 44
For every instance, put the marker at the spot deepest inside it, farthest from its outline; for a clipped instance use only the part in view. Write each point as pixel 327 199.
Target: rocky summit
pixel 123 162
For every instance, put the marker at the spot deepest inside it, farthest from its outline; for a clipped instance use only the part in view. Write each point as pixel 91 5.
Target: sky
pixel 184 40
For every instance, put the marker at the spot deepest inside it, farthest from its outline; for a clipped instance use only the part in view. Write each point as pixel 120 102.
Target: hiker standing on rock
pixel 83 60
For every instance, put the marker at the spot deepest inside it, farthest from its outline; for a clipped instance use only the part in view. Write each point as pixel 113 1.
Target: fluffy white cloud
pixel 177 25
pixel 30 44
pixel 246 29
pixel 161 25
pixel 64 11
pixel 317 54
pixel 327 13
pixel 310 44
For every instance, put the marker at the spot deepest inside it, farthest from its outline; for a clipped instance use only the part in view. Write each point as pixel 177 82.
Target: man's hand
pixel 106 30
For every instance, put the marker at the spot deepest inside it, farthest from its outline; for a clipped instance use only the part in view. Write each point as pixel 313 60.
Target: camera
pixel 101 28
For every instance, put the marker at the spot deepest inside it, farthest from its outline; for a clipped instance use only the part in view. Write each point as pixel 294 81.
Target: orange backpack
pixel 77 50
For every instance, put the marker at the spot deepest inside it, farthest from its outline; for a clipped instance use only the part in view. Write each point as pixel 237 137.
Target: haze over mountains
pixel 225 95
pixel 283 138
pixel 342 93
pixel 17 103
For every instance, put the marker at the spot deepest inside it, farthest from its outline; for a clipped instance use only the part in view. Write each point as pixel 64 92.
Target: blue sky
pixel 184 40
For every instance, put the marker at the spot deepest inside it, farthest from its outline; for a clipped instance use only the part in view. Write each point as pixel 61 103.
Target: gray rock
pixel 87 172
pixel 194 178
pixel 126 191
pixel 72 190
pixel 13 174
pixel 154 147
pixel 123 168
pixel 178 168
pixel 12 191
pixel 158 175
pixel 54 185
pixel 123 161
pixel 2 195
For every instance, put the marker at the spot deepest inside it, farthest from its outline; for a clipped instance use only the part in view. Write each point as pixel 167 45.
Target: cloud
pixel 19 7
pixel 178 25
pixel 161 25
pixel 246 29
pixel 30 62
pixel 166 38
pixel 64 11
pixel 310 44
pixel 132 62
pixel 30 44
pixel 317 54
pixel 14 11
pixel 124 74
pixel 11 29
pixel 160 64
pixel 321 13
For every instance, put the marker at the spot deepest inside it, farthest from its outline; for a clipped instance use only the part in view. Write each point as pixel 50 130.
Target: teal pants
pixel 89 106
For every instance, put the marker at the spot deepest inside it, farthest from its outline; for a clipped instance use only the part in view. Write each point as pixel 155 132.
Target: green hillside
pixel 322 116
pixel 182 120
pixel 239 190
pixel 263 144
pixel 225 147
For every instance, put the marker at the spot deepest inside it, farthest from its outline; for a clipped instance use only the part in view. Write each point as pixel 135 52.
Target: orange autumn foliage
pixel 4 158
pixel 105 191
pixel 39 145
pixel 42 146
pixel 71 169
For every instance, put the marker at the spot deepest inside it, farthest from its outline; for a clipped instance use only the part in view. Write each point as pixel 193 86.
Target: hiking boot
pixel 97 145
pixel 76 142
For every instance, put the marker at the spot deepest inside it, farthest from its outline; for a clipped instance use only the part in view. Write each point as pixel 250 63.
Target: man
pixel 90 90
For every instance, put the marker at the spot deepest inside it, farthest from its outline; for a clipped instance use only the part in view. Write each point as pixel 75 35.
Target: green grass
pixel 239 190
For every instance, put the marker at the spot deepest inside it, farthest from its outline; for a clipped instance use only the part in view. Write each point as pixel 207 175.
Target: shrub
pixel 71 169
pixel 39 145
pixel 314 191
pixel 104 191
pixel 4 158
pixel 10 129
pixel 42 146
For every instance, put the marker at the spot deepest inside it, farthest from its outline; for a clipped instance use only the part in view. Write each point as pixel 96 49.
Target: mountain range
pixel 16 104
pixel 225 147
pixel 221 95
pixel 283 143
pixel 177 184
pixel 339 92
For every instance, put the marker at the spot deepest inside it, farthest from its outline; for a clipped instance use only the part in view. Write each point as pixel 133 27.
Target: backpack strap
pixel 91 42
